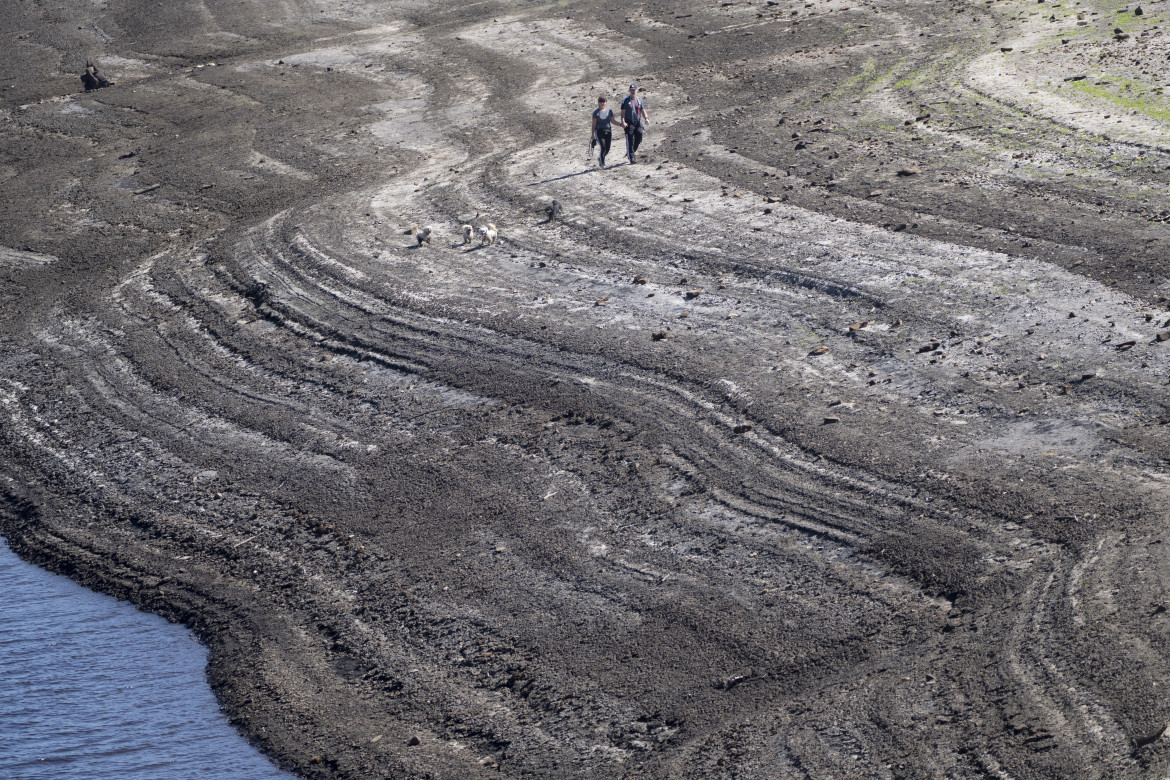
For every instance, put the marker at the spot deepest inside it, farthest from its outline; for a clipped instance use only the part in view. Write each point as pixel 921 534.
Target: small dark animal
pixel 92 78
pixel 553 210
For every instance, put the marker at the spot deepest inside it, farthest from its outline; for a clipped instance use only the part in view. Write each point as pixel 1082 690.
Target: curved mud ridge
pixel 717 475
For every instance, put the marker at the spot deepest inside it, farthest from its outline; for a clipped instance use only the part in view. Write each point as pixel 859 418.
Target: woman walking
pixel 602 132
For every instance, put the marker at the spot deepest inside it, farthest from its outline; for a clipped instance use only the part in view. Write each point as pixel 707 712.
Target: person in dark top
pixel 602 132
pixel 634 117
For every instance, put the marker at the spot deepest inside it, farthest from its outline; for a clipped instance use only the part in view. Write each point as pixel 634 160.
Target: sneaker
pixel 632 160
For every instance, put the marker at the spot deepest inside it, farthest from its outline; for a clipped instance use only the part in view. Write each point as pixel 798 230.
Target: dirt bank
pixel 827 440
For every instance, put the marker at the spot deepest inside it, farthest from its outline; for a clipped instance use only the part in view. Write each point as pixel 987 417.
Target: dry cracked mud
pixel 826 441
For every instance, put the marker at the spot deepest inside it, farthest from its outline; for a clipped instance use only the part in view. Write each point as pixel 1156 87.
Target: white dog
pixel 487 235
pixel 422 235
pixel 467 231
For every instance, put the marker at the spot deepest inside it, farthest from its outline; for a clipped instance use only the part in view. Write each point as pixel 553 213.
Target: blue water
pixel 92 688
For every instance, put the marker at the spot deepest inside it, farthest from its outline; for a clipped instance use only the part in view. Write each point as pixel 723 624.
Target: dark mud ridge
pixel 826 441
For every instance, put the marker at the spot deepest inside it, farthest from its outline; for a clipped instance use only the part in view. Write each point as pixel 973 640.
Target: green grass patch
pixel 1122 95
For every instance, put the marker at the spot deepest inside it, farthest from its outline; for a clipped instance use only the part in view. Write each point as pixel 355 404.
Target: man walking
pixel 634 116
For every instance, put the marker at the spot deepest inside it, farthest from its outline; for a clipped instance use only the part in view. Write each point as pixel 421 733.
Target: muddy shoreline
pixel 827 440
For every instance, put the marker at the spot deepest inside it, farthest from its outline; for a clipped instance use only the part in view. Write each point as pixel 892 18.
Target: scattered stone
pixel 1005 49
pixel 601 301
pixel 831 421
pixel 1126 345
pixel 1138 11
pixel 931 347
pixel 692 294
pixel 641 280
pixel 1078 77
pixel 859 325
pixel 908 172
pixel 1087 377
pixel 822 349
pixel 413 741
pixel 896 323
pixel 744 428
pixel 658 335
pixel 1163 335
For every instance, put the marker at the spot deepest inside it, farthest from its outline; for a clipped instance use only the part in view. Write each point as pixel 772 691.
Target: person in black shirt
pixel 634 117
pixel 602 133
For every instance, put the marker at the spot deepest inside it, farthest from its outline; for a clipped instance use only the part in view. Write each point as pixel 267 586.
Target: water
pixel 92 688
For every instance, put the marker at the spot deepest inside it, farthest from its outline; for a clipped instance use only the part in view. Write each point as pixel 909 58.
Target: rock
pixel 1005 49
pixel 822 349
pixel 600 301
pixel 908 172
pixel 658 335
pixel 413 741
pixel 744 428
pixel 896 323
pixel 1126 345
pixel 1078 77
pixel 859 325
pixel 931 347
pixel 1121 37
pixel 1086 377
pixel 831 421
pixel 1163 335
pixel 640 280
pixel 1138 11
pixel 692 294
